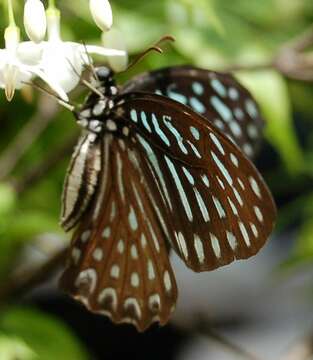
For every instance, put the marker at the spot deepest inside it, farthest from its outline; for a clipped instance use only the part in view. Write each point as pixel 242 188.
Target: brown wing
pixel 216 205
pixel 217 96
pixel 119 263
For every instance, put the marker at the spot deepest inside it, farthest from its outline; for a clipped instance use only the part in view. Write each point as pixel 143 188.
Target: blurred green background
pixel 214 34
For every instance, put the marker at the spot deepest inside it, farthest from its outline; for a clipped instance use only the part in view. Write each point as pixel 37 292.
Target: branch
pixel 204 327
pixel 39 171
pixel 17 286
pixel 303 350
pixel 290 60
pixel 46 112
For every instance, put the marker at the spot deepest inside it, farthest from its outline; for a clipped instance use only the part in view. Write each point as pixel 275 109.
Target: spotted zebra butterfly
pixel 162 164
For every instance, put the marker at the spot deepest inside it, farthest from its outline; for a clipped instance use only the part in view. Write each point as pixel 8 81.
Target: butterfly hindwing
pixel 216 96
pixel 119 263
pixel 216 204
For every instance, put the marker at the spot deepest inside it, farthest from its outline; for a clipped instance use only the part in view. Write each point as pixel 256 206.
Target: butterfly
pixel 162 163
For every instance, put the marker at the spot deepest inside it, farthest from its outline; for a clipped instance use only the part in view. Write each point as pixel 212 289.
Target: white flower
pixel 115 38
pixel 17 62
pixel 63 62
pixel 101 12
pixel 60 64
pixel 35 21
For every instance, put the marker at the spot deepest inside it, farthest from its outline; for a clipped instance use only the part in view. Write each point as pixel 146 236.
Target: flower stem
pixel 51 4
pixel 11 13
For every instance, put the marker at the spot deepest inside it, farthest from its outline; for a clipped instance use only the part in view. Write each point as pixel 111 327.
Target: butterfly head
pixel 104 75
pixel 95 111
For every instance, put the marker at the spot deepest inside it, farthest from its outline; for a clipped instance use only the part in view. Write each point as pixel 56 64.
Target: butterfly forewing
pixel 217 96
pixel 215 204
pixel 119 263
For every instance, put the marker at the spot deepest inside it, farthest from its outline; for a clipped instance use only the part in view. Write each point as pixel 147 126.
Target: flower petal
pixel 29 53
pixel 99 50
pixel 35 21
pixel 115 38
pixel 101 12
pixel 55 86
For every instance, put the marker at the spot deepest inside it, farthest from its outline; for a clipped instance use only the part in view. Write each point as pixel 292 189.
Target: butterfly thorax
pixel 95 115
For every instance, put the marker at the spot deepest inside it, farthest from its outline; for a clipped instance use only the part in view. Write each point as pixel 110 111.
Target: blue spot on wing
pixel 197 88
pixel 197 105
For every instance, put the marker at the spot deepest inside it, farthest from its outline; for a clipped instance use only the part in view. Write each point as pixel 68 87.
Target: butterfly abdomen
pixel 81 181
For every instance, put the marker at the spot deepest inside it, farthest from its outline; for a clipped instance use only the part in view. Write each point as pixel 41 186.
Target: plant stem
pixel 11 13
pixel 52 4
pixel 27 136
pixel 205 328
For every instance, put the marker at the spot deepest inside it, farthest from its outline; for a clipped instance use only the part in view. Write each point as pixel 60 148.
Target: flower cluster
pixel 58 63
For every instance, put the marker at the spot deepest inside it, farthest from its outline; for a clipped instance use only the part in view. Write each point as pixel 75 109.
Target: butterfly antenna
pixel 92 88
pixel 67 105
pixel 141 56
pixel 165 38
pixel 155 47
pixel 85 82
pixel 90 64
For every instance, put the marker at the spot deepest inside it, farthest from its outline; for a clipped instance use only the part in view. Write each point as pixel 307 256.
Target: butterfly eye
pixel 104 74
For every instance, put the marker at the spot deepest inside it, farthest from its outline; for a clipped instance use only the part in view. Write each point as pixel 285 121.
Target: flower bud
pixel 35 21
pixel 114 39
pixel 101 12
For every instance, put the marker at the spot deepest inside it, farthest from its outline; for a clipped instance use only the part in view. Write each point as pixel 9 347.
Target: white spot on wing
pixel 132 219
pixel 85 236
pixel 167 281
pixel 87 277
pixel 231 240
pixel 120 247
pixel 115 271
pixel 182 244
pixel 234 160
pixel 254 230
pixel 154 302
pixel 98 254
pixel 106 232
pixel 134 252
pixel 233 207
pixel 151 272
pixel 199 248
pixel 180 188
pixel 202 206
pixel 217 143
pixel 76 254
pixel 255 187
pixel 244 233
pixel 132 302
pixel 134 280
pixel 258 213
pixel 219 208
pixel 222 168
pixel 108 293
pixel 215 245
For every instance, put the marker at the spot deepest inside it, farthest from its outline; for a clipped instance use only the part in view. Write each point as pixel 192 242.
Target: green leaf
pixel 28 224
pixel 202 15
pixel 13 348
pixel 7 199
pixel 46 336
pixel 270 90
